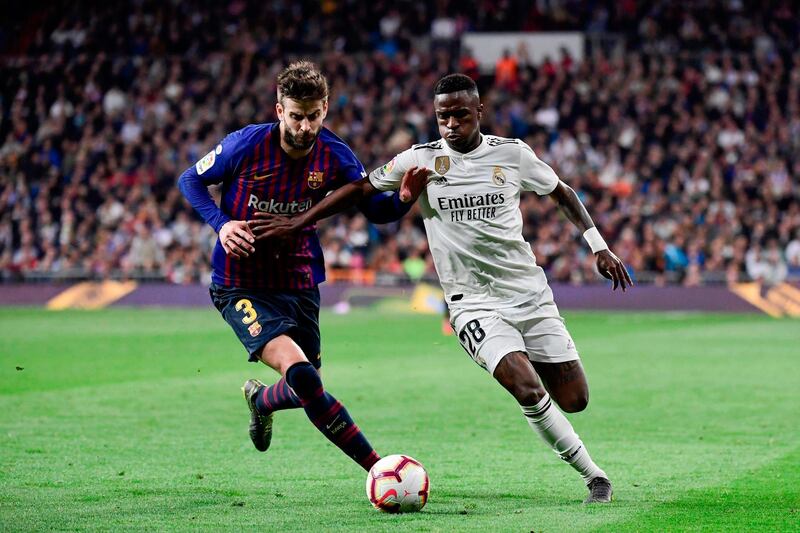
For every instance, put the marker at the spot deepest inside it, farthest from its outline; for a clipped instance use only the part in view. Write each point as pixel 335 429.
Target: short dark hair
pixel 452 83
pixel 302 80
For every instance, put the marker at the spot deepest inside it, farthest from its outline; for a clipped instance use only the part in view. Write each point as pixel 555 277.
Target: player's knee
pixel 527 393
pixel 518 377
pixel 281 353
pixel 304 380
pixel 575 403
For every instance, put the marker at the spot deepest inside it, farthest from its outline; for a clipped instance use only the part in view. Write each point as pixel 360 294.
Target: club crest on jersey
pixel 498 177
pixel 314 179
pixel 441 164
pixel 254 329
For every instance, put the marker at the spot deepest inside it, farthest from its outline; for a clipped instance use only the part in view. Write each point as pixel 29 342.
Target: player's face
pixel 458 116
pixel 302 121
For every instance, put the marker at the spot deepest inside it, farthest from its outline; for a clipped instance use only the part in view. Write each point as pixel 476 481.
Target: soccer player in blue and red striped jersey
pixel 267 289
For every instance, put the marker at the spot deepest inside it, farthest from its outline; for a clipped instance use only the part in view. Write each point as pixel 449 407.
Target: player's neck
pixel 293 153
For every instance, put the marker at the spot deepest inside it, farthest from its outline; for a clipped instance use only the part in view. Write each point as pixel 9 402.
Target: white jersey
pixel 471 213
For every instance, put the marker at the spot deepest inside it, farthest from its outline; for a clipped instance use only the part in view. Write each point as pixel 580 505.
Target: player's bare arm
pixel 269 226
pixel 237 239
pixel 609 265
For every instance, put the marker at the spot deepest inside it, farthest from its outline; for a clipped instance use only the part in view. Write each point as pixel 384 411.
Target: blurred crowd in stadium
pixel 683 138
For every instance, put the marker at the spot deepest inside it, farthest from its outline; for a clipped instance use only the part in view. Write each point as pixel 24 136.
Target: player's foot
pixel 260 425
pixel 599 491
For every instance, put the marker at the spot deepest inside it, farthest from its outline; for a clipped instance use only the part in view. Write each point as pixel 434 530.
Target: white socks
pixel 549 423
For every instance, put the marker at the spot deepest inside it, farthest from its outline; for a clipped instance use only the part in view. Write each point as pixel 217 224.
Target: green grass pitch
pixel 133 419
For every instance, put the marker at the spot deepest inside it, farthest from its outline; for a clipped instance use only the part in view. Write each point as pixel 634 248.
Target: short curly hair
pixel 302 80
pixel 453 83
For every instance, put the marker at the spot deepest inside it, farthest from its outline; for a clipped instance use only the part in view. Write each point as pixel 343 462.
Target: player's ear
pixel 480 111
pixel 279 110
pixel 324 108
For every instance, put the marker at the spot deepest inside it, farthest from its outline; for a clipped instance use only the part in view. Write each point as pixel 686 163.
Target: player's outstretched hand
pixel 269 226
pixel 612 267
pixel 413 183
pixel 237 239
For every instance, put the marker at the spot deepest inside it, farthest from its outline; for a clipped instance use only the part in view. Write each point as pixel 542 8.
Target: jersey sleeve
pixel 379 208
pixel 220 163
pixel 350 168
pixel 535 175
pixel 384 207
pixel 388 176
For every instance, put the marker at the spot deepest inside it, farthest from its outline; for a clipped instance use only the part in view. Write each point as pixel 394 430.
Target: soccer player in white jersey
pixel 501 306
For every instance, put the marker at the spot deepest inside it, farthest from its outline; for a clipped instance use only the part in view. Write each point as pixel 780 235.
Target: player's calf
pixel 518 376
pixel 328 415
pixel 276 397
pixel 552 426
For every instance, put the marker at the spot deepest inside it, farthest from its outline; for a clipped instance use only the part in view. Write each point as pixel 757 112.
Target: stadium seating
pixel 685 148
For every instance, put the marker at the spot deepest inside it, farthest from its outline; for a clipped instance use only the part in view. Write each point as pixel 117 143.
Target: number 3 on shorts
pixel 246 307
pixel 472 331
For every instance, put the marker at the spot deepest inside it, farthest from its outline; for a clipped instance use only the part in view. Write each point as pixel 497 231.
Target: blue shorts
pixel 259 315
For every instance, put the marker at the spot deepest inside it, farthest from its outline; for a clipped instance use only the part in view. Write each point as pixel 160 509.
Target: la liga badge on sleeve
pixel 206 162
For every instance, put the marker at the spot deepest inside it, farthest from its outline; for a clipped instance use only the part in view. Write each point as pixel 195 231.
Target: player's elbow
pixel 562 193
pixel 188 183
pixel 183 180
pixel 365 188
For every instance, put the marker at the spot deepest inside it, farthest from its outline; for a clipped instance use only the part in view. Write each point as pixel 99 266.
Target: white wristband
pixel 595 240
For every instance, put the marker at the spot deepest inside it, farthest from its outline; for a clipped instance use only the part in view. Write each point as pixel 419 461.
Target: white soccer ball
pixel 398 484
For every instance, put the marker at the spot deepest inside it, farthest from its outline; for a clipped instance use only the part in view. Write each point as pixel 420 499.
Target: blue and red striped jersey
pixel 257 175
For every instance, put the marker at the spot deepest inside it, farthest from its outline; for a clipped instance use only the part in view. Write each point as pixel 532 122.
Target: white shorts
pixel 488 336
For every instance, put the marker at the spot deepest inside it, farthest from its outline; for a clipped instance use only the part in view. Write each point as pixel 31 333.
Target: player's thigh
pixel 486 337
pixel 257 317
pixel 306 333
pixel 547 340
pixel 555 357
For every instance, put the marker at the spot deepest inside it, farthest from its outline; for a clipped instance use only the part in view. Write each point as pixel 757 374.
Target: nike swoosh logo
pixel 329 426
pixel 264 176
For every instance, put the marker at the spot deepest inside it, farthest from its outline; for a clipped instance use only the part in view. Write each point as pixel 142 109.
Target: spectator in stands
pixel 506 75
pixel 685 146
